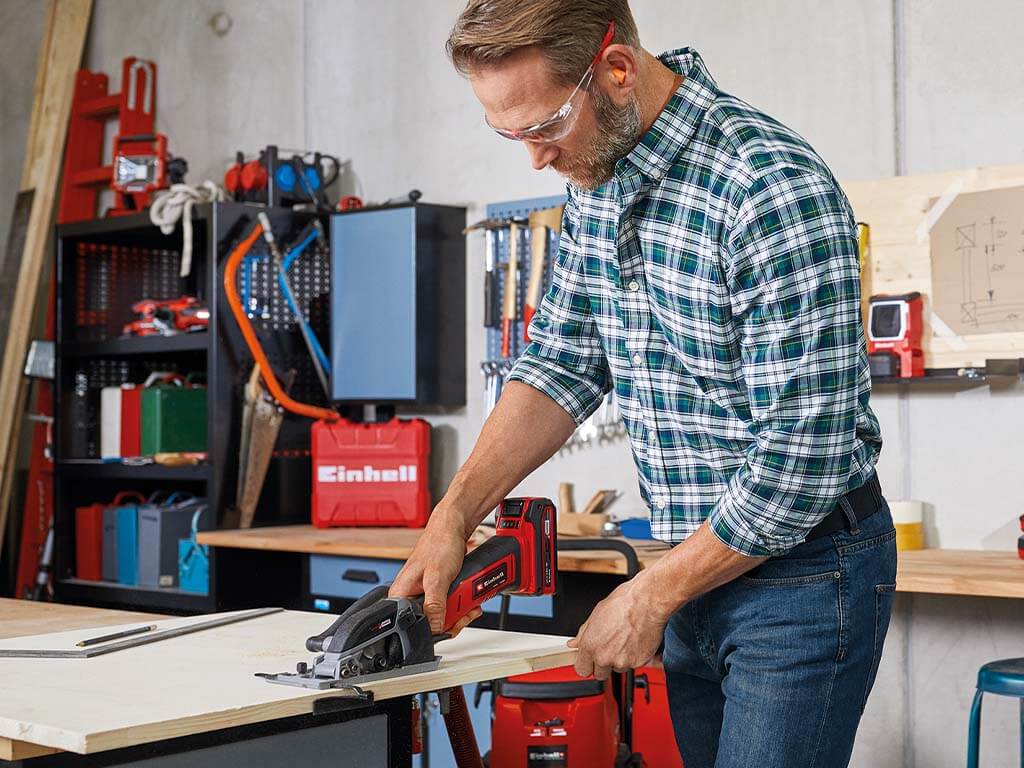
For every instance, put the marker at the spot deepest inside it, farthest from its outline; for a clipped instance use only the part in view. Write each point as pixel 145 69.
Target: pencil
pixel 114 636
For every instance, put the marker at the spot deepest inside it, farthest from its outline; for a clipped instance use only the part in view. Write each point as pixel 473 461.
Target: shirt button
pixel 634 285
pixel 637 359
pixel 660 503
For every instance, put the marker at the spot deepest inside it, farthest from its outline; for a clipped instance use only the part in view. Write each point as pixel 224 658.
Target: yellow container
pixel 908 518
pixel 909 536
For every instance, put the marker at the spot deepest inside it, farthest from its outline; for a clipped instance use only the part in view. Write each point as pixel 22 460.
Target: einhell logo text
pixel 335 473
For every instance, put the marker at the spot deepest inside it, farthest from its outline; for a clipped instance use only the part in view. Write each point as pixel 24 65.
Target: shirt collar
pixel 677 123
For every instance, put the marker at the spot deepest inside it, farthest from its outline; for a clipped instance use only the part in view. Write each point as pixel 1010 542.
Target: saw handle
pixel 491 568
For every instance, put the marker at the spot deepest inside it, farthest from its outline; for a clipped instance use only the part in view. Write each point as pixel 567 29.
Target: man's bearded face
pixel 617 132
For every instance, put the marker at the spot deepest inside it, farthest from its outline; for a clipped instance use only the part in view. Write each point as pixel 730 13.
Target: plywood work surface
pixel 205 681
pixel 28 617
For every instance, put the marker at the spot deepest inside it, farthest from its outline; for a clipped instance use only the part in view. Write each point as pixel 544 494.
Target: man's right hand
pixel 431 569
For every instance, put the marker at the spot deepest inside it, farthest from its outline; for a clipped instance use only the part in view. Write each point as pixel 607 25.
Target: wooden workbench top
pixel 205 681
pixel 971 572
pixel 396 544
pixel 935 571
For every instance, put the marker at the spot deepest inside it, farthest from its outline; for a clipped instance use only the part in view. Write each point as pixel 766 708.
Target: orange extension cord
pixel 253 343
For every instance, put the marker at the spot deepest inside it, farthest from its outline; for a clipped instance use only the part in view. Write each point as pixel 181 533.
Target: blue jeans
pixel 773 669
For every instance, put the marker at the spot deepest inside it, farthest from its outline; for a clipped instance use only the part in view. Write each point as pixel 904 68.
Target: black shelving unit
pixel 91 353
pixel 88 469
pixel 143 345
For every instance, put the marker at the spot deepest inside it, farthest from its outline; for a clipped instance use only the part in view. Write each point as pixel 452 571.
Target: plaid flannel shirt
pixel 713 282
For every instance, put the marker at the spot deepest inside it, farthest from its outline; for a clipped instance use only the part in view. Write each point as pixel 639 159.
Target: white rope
pixel 177 203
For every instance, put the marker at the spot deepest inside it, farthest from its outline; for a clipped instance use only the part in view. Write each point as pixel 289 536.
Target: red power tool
pixel 381 636
pixel 895 327
pixel 168 317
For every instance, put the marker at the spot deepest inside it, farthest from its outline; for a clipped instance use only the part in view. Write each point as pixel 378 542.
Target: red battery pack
pixel 371 474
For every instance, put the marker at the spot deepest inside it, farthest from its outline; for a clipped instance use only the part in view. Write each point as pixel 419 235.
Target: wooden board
pixel 27 617
pixel 205 681
pixel 896 209
pixel 385 543
pixel 961 572
pixel 394 544
pixel 59 59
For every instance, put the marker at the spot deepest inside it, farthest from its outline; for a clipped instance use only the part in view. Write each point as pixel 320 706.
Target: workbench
pixel 194 699
pixel 326 569
pixel 935 571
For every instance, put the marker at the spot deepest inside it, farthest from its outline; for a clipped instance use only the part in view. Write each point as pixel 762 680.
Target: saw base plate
pixel 327 683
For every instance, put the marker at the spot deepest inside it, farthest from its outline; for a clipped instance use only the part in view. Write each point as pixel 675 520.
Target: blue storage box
pixel 128 544
pixel 194 561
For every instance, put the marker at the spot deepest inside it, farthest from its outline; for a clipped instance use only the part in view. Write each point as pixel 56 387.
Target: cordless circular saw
pixel 380 637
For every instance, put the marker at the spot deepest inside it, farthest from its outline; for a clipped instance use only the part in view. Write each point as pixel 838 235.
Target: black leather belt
pixel 863 502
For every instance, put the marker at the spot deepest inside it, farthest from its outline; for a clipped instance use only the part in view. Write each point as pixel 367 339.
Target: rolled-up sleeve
pixel 564 358
pixel 794 281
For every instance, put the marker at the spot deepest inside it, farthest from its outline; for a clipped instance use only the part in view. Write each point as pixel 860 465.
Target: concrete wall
pixel 369 82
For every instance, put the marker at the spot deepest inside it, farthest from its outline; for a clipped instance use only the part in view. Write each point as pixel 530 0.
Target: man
pixel 708 271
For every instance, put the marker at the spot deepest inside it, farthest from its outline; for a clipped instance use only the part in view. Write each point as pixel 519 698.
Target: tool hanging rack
pixel 502 347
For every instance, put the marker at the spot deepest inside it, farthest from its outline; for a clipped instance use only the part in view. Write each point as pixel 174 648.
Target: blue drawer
pixel 353 577
pixel 349 577
pixel 523 605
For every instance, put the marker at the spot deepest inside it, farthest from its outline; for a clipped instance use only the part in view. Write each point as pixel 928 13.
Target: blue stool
pixel 1003 678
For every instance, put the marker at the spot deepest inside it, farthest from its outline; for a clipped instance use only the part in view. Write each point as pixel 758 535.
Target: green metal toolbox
pixel 173 419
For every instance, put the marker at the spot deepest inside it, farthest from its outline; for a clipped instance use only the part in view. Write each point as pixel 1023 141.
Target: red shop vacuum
pixel 556 719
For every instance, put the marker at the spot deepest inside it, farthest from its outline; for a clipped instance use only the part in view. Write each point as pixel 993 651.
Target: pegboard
pixel 110 278
pixel 263 302
pixel 518 209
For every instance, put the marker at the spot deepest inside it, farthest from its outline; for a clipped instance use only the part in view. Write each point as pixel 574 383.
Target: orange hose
pixel 253 343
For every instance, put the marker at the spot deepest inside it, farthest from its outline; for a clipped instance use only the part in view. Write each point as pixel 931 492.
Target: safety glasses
pixel 559 124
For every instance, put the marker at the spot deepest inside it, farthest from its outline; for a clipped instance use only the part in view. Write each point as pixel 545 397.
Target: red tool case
pixel 371 474
pixel 89 542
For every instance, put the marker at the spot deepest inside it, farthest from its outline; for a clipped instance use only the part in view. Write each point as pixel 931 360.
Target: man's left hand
pixel 623 632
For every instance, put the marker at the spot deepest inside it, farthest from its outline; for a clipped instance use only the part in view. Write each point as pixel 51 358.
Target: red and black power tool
pixel 168 317
pixel 895 327
pixel 518 559
pixel 380 636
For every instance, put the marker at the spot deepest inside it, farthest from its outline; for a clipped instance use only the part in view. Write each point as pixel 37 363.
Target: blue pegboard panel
pixel 517 209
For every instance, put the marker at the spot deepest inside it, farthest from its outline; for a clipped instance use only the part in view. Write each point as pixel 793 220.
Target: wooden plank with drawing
pixel 905 213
